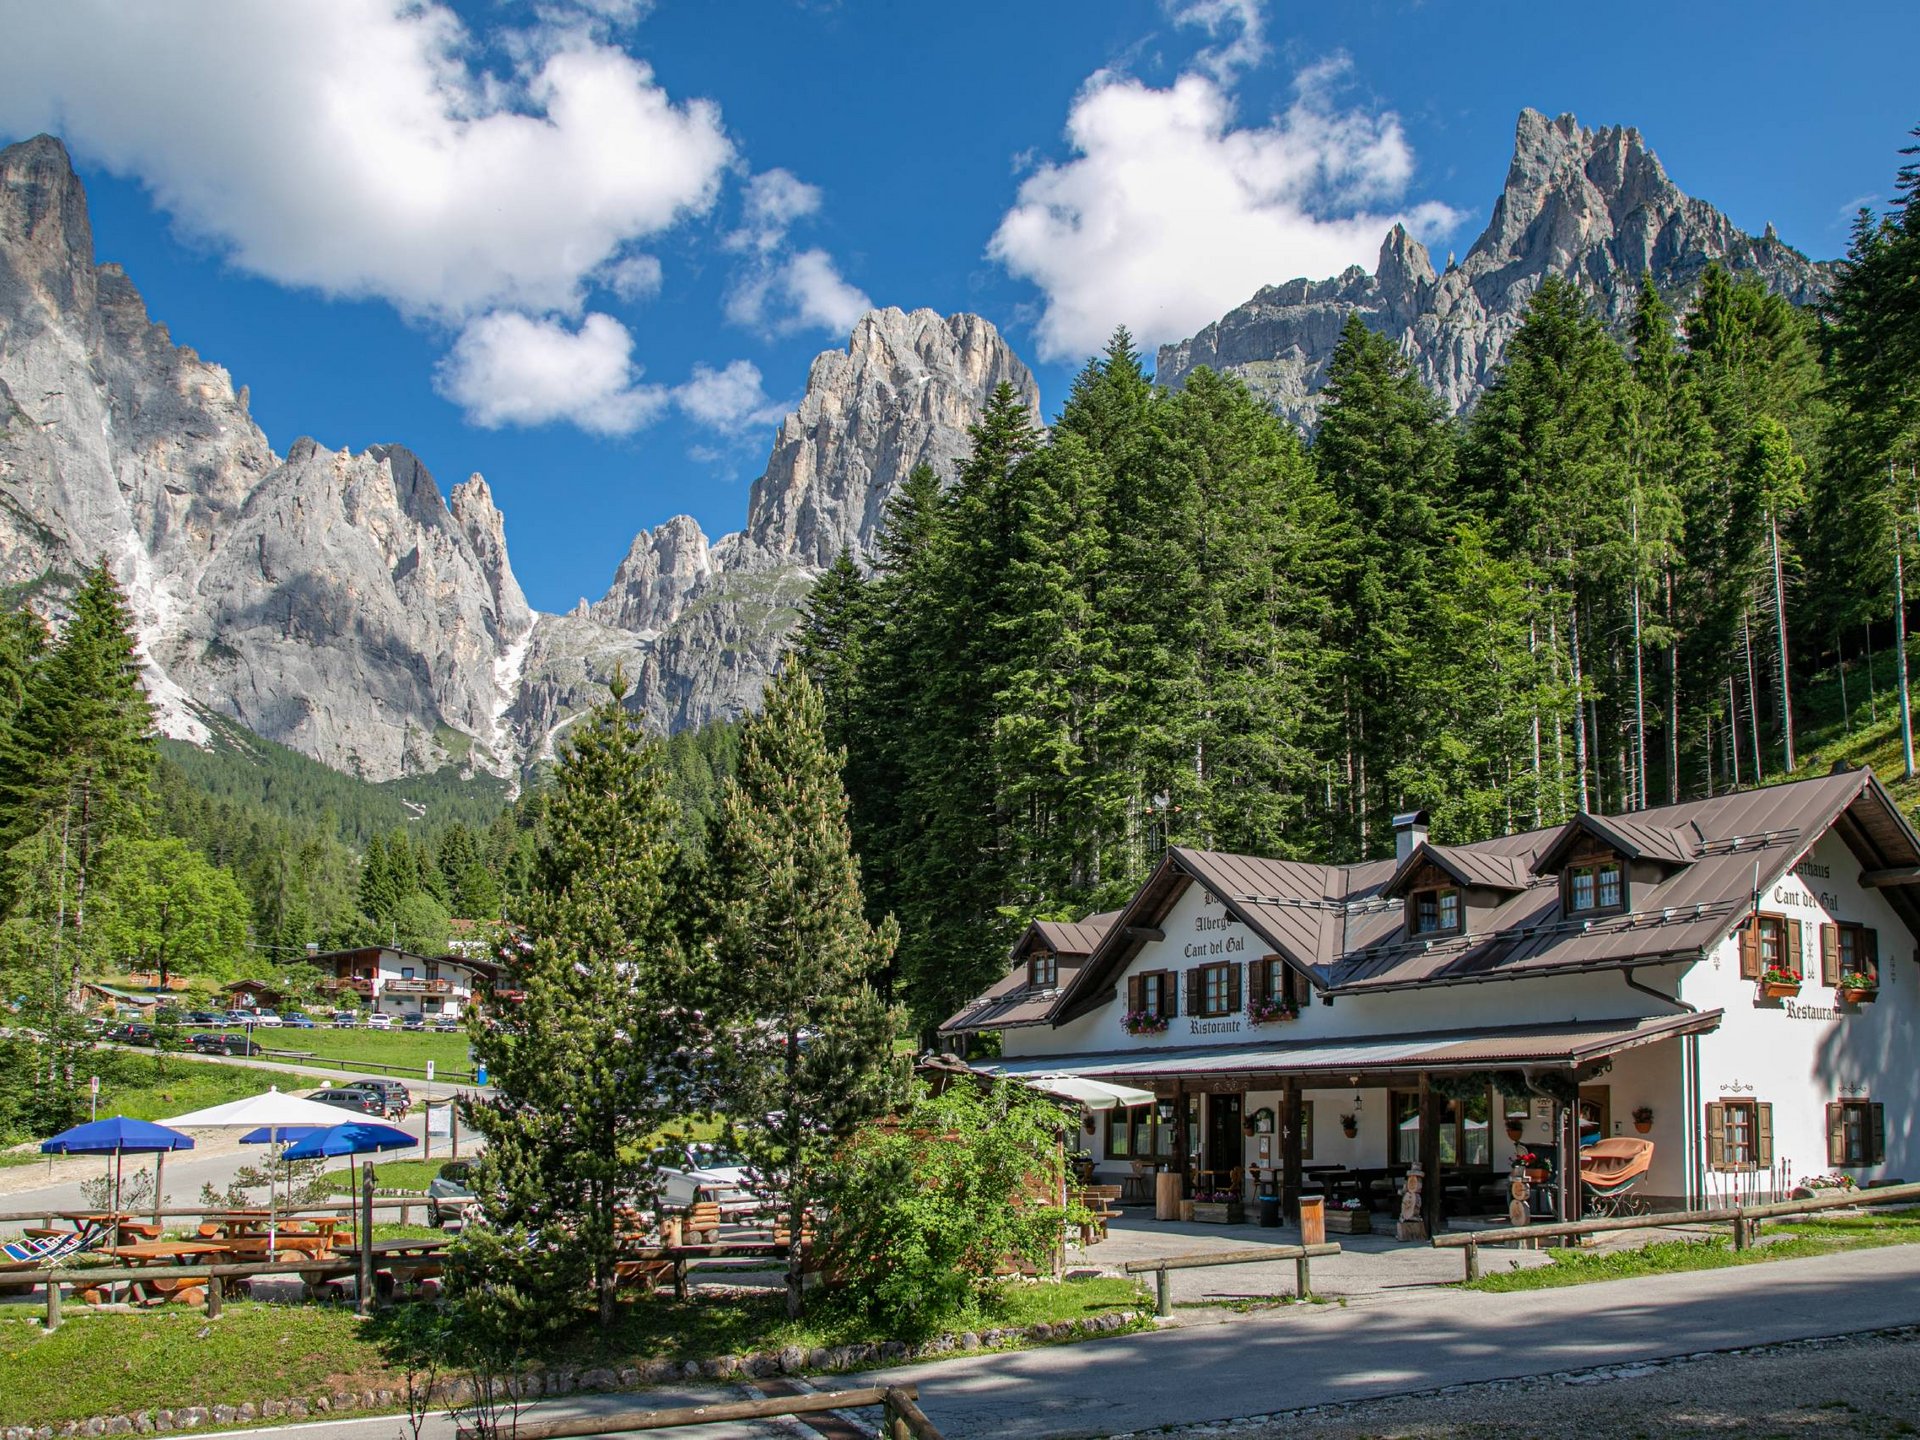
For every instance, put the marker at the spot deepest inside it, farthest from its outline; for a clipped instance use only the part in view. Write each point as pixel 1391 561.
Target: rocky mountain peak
pixel 46 238
pixel 662 569
pixel 1592 206
pixel 485 528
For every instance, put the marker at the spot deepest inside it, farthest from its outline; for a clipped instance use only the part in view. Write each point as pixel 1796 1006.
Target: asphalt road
pixel 1302 1356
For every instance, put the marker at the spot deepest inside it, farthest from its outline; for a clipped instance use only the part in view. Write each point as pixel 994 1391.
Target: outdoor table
pixel 240 1222
pixel 261 1247
pixel 395 1260
pixel 161 1255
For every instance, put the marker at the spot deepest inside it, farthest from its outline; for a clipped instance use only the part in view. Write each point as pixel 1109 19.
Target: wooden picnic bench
pixel 159 1256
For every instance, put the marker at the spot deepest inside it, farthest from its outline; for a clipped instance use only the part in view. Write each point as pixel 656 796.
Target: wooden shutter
pixel 1136 1001
pixel 1836 1134
pixel 1295 987
pixel 1262 982
pixel 1716 1136
pixel 1234 975
pixel 1796 961
pixel 1763 1135
pixel 1870 954
pixel 1195 993
pixel 1877 1143
pixel 1829 954
pixel 1750 949
pixel 1169 994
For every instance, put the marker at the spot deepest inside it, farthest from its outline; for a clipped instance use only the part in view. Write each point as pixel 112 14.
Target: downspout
pixel 1633 984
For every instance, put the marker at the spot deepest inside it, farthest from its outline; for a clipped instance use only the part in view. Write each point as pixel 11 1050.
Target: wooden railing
pixel 1260 1255
pixel 904 1420
pixel 1743 1218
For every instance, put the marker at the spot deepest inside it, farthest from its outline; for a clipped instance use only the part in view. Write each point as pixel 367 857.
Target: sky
pixel 589 248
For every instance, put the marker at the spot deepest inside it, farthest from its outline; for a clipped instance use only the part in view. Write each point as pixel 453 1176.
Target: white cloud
pixel 779 291
pixel 636 277
pixel 731 399
pixel 511 369
pixel 1243 19
pixel 774 200
pixel 1167 215
pixel 360 147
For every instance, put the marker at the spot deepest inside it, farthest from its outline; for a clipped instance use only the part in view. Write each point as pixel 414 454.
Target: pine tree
pixel 806 1049
pixel 590 1069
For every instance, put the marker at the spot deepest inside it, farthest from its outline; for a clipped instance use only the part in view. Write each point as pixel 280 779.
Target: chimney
pixel 1409 831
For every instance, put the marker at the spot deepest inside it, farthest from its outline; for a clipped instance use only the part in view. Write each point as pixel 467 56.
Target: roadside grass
pixel 145 1086
pixel 1787 1239
pixel 389 1175
pixel 166 1359
pixel 348 1048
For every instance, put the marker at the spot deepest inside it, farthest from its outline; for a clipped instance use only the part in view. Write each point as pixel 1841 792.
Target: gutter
pixel 1633 984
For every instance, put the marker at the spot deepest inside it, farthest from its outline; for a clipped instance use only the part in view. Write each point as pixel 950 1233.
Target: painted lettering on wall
pixel 1794 1010
pixel 1214 1027
pixel 1808 870
pixel 1787 895
pixel 1201 949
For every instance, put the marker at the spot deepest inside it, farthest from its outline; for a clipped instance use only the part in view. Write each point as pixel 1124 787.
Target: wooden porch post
pixel 1292 1143
pixel 1568 1143
pixel 1180 1159
pixel 1434 1195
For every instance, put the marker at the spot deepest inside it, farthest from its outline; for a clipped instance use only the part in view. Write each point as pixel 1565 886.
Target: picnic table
pixel 240 1222
pixel 122 1223
pixel 160 1255
pixel 399 1260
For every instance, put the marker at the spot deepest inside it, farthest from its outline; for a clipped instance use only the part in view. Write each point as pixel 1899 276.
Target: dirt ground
pixel 1854 1388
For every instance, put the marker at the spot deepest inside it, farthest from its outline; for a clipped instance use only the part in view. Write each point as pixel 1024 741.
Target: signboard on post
pixel 429 1072
pixel 440 1119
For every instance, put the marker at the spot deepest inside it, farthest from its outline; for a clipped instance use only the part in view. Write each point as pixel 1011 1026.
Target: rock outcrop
pixel 1594 206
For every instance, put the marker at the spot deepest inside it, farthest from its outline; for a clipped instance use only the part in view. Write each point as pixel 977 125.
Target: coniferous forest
pixel 1171 620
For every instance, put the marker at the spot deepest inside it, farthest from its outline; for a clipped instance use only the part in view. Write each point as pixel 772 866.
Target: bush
pixel 928 1207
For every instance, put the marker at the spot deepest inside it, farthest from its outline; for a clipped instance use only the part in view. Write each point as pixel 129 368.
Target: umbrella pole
pixel 159 1193
pixel 119 1166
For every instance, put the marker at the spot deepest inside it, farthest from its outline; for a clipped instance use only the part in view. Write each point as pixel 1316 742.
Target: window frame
pixel 1043 970
pixel 1594 871
pixel 1856 1133
pixel 1437 896
pixel 1756 1146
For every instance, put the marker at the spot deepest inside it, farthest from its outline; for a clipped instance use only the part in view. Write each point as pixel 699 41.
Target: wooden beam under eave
pixel 1143 933
pixel 1898 875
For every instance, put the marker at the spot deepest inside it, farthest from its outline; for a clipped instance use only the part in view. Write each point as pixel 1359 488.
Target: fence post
pixel 53 1305
pixel 1739 1231
pixel 1163 1293
pixel 1472 1252
pixel 1302 1283
pixel 214 1297
pixel 363 1284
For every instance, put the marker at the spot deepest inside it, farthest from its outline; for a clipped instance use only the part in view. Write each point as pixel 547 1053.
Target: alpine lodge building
pixel 1733 979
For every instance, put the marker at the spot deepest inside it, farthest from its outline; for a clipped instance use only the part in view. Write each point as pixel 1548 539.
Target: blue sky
pixel 605 308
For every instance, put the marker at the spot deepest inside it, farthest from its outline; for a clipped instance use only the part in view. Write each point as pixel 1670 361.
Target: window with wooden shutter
pixel 1829 954
pixel 1763 1135
pixel 1796 954
pixel 1836 1134
pixel 1234 980
pixel 1717 1136
pixel 1870 952
pixel 1856 1133
pixel 1195 999
pixel 1136 987
pixel 1877 1123
pixel 1750 949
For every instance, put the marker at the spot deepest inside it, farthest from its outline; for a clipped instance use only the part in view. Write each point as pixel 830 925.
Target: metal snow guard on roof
pixel 1567 1044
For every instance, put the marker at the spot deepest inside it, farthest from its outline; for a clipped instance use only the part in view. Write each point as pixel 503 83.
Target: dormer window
pixel 1598 886
pixel 1043 970
pixel 1436 911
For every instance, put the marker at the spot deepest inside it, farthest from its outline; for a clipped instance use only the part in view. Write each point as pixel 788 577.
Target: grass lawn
pixel 107 1364
pixel 144 1086
pixel 391 1174
pixel 377 1047
pixel 1787 1239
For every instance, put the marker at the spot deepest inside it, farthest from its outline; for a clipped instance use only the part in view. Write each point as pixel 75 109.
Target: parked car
pixel 450 1196
pixel 397 1098
pixel 237 1017
pixel 355 1098
pixel 417 1024
pixel 297 1021
pixel 345 1019
pixel 446 1022
pixel 225 1043
pixel 268 1018
pixel 377 1021
pixel 201 1017
pixel 709 1172
pixel 133 1032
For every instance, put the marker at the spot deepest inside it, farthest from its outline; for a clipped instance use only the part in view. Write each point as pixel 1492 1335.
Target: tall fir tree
pixel 595 1056
pixel 805 1048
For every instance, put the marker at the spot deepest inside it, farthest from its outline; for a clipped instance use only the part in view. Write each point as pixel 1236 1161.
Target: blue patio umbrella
pixel 115 1136
pixel 278 1135
pixel 355 1137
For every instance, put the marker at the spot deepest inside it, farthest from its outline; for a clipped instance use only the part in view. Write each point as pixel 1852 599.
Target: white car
pixel 379 1022
pixel 709 1172
pixel 267 1018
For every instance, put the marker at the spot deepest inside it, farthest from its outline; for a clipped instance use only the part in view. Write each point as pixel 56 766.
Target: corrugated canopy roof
pixel 1569 1044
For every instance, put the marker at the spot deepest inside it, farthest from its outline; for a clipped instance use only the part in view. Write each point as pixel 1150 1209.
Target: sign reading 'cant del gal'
pixel 1217 938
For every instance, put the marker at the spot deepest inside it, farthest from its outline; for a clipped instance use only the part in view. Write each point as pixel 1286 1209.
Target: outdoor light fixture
pixel 1166 1111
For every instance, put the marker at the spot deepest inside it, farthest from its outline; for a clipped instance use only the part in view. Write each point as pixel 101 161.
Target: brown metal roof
pixel 1466 865
pixel 1011 1002
pixel 1569 1044
pixel 1338 925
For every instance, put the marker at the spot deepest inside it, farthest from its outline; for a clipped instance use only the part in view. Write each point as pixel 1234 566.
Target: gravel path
pixel 1849 1388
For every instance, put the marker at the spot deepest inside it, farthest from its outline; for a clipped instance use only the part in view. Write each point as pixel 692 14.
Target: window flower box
pixel 1219 1212
pixel 1778 984
pixel 1140 1022
pixel 1355 1221
pixel 1270 1012
pixel 1858 989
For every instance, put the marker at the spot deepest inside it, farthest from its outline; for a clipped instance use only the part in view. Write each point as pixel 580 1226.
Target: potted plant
pixel 1349 1125
pixel 1643 1118
pixel 1218 1207
pixel 1779 984
pixel 1350 1217
pixel 1539 1171
pixel 1263 1011
pixel 1860 989
pixel 1142 1022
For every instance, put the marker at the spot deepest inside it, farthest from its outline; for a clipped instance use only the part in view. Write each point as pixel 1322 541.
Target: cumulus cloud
pixel 1168 214
pixel 731 399
pixel 1240 21
pixel 512 369
pixel 361 148
pixel 777 290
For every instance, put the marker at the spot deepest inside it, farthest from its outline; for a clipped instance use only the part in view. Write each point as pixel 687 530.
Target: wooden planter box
pixel 1214 1212
pixel 1349 1222
pixel 1778 992
pixel 1860 997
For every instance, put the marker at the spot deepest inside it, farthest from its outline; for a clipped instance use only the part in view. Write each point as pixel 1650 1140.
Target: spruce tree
pixel 805 1049
pixel 598 1057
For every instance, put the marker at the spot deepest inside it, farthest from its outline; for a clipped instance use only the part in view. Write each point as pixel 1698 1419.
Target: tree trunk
pixel 1579 708
pixel 1673 700
pixel 1753 694
pixel 1780 627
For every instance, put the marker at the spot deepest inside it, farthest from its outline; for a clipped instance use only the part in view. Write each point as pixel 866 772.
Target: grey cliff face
pixel 1593 206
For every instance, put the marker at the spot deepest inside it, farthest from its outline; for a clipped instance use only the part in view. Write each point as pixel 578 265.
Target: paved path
pixel 1386 1344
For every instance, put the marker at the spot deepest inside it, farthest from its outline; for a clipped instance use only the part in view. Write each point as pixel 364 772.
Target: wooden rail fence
pixel 1301 1255
pixel 1744 1220
pixel 904 1420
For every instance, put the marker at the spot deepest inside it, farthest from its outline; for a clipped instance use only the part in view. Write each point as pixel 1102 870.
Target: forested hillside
pixel 1172 621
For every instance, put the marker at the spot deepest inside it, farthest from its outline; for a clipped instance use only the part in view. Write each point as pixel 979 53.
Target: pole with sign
pixel 93 1102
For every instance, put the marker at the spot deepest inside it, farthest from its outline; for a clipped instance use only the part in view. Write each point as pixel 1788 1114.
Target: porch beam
pixel 1143 933
pixel 1433 1197
pixel 1292 1144
pixel 1897 875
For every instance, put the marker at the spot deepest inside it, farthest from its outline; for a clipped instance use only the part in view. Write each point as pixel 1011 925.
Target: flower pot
pixel 1643 1126
pixel 1513 1133
pixel 1350 1131
pixel 1860 997
pixel 1216 1212
pixel 1778 991
pixel 1539 1174
pixel 1349 1222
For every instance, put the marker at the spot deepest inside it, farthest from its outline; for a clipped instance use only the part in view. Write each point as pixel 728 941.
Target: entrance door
pixel 1225 1146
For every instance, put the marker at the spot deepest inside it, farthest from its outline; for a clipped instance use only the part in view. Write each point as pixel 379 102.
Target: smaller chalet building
pixel 1736 979
pixel 398 983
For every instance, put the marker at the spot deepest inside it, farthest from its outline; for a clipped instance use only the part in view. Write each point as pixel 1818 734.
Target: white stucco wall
pixel 1801 1054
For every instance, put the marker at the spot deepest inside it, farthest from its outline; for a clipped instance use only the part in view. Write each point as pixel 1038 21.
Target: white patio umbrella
pixel 274 1108
pixel 1094 1094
